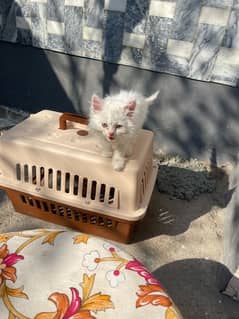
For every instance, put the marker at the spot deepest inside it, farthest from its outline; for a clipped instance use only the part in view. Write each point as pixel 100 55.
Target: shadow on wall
pixel 195 119
pixel 29 82
pixel 115 25
pixel 190 118
pixel 197 284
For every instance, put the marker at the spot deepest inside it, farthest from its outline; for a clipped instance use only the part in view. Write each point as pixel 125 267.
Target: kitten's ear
pixel 130 108
pixel 149 100
pixel 96 103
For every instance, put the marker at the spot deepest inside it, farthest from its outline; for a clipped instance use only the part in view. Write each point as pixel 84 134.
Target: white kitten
pixel 116 120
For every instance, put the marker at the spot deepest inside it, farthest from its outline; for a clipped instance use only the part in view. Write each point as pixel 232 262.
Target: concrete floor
pixel 180 242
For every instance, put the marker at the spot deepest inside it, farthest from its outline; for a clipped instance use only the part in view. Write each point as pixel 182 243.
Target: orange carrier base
pixel 73 217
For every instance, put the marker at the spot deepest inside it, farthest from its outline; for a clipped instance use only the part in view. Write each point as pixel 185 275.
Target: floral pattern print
pixel 94 276
pixel 78 308
pixel 155 295
pixel 115 277
pixel 64 308
pixel 81 239
pixel 91 260
pixel 111 248
pixel 152 294
pixel 135 265
pixel 7 271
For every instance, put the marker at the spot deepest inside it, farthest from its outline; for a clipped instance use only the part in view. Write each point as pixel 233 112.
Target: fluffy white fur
pixel 116 120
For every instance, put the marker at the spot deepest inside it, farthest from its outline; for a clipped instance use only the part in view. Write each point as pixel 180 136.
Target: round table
pixel 56 274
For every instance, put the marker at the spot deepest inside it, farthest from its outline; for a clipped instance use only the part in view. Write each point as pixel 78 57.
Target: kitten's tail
pixel 149 100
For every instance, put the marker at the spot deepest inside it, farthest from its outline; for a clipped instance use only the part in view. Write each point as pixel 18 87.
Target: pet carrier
pixel 52 168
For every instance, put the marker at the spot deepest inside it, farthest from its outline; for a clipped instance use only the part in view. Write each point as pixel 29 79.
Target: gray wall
pixel 197 39
pixel 190 118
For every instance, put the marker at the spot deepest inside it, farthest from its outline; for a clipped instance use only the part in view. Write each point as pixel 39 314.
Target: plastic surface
pixel 62 165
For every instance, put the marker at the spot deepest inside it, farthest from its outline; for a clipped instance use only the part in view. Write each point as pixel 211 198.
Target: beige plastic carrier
pixel 52 168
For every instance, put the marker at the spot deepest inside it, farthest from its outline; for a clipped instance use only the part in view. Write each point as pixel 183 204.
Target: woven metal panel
pixel 198 39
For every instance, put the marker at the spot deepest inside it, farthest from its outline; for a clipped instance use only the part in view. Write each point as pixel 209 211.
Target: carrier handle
pixel 71 117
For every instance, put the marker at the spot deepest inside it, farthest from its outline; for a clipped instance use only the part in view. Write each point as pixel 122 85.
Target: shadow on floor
pixel 196 284
pixel 174 216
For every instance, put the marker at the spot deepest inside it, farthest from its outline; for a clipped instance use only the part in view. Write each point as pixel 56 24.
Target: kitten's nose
pixel 111 135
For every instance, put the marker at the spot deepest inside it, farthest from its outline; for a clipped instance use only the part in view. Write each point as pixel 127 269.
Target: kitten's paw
pixel 118 164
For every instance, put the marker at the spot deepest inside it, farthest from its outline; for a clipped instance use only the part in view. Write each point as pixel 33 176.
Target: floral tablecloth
pixel 55 274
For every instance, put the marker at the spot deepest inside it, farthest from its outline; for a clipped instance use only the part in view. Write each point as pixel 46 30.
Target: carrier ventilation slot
pixel 76 185
pixel 93 190
pixel 80 186
pixel 38 204
pixel 18 172
pixel 45 206
pixel 30 201
pixel 34 174
pixel 61 210
pixel 26 175
pixel 67 212
pixel 42 174
pixel 144 180
pixel 102 193
pixel 50 178
pixel 58 180
pixel 67 182
pixel 53 208
pixel 84 187
pixel 23 198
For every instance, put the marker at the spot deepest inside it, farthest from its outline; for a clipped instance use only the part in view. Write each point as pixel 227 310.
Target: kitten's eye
pixel 118 126
pixel 104 125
